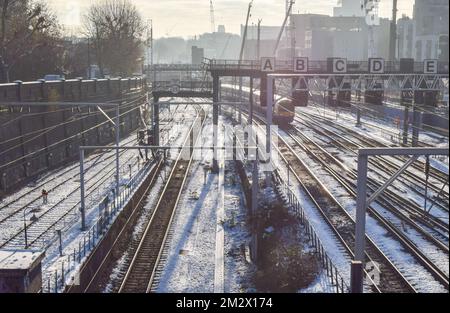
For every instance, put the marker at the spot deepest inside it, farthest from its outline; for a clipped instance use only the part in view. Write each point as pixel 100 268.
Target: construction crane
pixel 288 12
pixel 258 40
pixel 244 37
pixel 150 47
pixel 370 8
pixel 393 32
pixel 211 12
pixel 226 46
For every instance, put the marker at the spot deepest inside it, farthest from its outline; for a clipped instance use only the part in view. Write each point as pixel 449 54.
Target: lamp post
pixel 25 227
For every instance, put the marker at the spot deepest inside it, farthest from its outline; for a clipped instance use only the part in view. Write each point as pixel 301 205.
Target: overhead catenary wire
pixel 59 142
pixel 356 105
pixel 48 129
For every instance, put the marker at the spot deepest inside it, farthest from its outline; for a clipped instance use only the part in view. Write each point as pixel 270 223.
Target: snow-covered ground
pixel 332 245
pixel 204 253
pixel 403 260
pixel 413 192
pixel 62 209
pixel 196 253
pixel 379 129
pixel 385 133
pixel 199 251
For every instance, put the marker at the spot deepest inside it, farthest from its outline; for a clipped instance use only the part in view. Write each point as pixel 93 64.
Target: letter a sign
pixel 267 64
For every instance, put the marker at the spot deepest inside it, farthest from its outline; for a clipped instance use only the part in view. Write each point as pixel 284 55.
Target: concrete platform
pixel 20 271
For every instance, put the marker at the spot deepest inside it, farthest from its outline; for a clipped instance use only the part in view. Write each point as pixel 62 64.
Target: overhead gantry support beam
pixel 357 267
pixel 156 121
pixel 269 114
pixel 250 109
pixel 216 88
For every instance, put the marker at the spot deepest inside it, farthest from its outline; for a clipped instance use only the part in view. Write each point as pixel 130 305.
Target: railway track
pixel 347 179
pixel 125 238
pixel 141 271
pixel 384 165
pixel 47 220
pixel 30 199
pixel 316 99
pixel 340 222
pixel 64 211
pixel 370 142
pixel 391 279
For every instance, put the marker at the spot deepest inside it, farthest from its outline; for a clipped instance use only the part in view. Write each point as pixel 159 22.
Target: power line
pixel 61 141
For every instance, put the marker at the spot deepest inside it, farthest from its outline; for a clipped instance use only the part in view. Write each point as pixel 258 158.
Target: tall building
pixel 268 36
pixel 431 29
pixel 321 36
pixel 349 8
pixel 197 55
pixel 405 37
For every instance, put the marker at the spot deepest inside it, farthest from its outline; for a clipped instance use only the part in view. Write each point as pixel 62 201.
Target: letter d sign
pixel 376 66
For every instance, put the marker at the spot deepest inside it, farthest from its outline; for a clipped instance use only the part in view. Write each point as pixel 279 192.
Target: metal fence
pixel 56 280
pixel 294 205
pixel 322 66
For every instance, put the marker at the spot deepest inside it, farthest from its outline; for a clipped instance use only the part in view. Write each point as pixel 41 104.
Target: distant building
pixel 431 29
pixel 405 37
pixel 266 32
pixel 93 71
pixel 197 55
pixel 218 45
pixel 321 36
pixel 221 29
pixel 268 37
pixel 349 8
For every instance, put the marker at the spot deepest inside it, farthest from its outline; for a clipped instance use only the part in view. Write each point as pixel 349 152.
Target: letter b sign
pixel 301 65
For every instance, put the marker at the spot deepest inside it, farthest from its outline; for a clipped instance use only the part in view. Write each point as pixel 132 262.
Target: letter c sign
pixel 339 65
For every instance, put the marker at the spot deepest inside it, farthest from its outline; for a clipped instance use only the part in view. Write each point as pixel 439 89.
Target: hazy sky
pixel 191 17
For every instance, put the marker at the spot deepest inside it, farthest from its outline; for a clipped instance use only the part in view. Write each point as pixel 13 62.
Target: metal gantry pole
pixel 269 92
pixel 82 201
pixel 117 150
pixel 250 120
pixel 416 125
pixel 357 266
pixel 254 208
pixel 360 232
pixel 240 99
pixel 156 121
pixel 405 122
pixel 255 180
pixel 215 168
pixel 25 228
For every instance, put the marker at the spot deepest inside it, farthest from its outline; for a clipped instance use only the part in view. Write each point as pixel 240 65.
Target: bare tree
pixel 115 28
pixel 26 26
